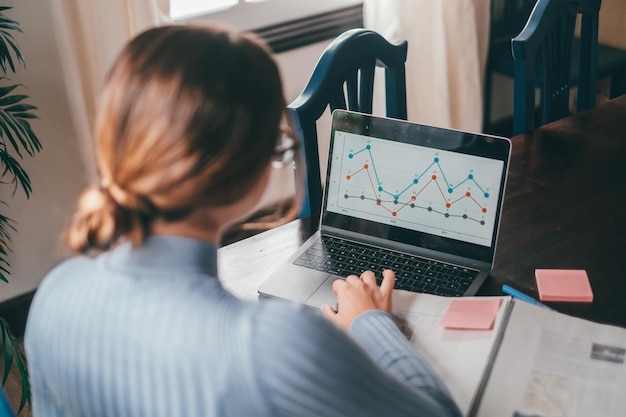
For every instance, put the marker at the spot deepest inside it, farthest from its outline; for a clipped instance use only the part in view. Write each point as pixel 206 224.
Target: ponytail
pixel 104 215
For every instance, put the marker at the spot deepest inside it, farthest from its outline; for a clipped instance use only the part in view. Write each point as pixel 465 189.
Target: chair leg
pixel 618 84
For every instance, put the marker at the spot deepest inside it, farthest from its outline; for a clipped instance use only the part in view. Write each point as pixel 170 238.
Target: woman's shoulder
pixel 67 272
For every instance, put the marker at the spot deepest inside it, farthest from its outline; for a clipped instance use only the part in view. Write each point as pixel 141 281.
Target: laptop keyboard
pixel 341 257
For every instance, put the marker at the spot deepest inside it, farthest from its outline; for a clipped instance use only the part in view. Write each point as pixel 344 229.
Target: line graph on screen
pixel 413 186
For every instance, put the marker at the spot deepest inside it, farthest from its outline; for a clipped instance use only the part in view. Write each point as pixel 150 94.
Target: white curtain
pixel 89 35
pixel 446 59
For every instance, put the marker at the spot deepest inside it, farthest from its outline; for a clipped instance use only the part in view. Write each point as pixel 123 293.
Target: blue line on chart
pixel 470 177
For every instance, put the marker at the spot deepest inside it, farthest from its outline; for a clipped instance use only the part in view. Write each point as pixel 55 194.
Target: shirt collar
pixel 167 253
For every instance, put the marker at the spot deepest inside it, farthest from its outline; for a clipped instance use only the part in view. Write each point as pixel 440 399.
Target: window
pixel 184 8
pixel 254 14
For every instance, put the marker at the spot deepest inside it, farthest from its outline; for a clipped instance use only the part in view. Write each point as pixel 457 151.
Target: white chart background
pixel 429 190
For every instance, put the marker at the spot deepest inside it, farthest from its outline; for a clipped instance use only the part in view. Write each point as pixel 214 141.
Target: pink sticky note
pixel 470 313
pixel 571 285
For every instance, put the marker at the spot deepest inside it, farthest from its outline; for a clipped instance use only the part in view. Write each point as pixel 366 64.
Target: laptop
pixel 423 201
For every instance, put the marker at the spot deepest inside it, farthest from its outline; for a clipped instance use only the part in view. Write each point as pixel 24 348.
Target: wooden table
pixel 565 207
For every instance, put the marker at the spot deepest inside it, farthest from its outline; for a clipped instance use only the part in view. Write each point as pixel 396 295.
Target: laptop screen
pixel 435 188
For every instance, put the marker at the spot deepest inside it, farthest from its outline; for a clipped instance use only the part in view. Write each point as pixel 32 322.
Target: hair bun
pixel 93 225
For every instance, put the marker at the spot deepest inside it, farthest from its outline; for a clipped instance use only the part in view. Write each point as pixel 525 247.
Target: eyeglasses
pixel 285 151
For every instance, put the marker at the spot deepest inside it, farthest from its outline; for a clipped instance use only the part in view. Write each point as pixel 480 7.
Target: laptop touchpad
pixel 324 295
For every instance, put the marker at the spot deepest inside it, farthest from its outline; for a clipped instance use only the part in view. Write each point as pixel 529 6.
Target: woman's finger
pixel 389 280
pixel 328 312
pixel 337 284
pixel 353 279
pixel 369 278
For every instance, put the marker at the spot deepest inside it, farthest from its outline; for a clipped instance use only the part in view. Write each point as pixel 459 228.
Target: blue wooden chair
pixel 506 23
pixel 548 39
pixel 343 78
pixel 545 46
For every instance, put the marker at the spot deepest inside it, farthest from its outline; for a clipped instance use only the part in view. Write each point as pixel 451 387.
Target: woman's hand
pixel 357 295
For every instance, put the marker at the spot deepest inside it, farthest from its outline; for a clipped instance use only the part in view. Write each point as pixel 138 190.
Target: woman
pixel 185 138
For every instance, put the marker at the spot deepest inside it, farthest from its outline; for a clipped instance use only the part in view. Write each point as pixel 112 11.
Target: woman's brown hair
pixel 189 117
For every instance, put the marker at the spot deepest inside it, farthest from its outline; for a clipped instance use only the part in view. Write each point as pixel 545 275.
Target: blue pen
pixel 520 295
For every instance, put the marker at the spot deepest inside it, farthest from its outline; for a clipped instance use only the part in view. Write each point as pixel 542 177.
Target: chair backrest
pixel 545 45
pixel 343 78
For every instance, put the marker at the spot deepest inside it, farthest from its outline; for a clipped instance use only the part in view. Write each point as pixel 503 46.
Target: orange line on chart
pixel 433 179
pixel 370 177
pixel 440 190
pixel 467 195
pixel 406 204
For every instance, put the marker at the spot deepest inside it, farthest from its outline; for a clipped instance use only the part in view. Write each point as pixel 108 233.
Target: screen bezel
pixel 477 144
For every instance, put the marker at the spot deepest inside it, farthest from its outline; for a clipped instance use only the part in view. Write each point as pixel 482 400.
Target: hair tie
pixel 128 201
pixel 115 192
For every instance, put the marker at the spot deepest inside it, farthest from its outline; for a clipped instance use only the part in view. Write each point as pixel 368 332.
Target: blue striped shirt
pixel 150 331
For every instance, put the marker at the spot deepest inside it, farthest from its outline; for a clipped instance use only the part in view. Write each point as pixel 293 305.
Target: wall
pixel 57 172
pixel 612 18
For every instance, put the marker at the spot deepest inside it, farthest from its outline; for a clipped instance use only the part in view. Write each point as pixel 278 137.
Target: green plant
pixel 17 139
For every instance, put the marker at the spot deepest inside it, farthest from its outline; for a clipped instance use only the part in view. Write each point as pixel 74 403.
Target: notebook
pixel 423 201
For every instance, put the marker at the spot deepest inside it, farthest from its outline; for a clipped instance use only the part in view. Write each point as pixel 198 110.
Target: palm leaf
pixel 20 362
pixel 14 124
pixel 13 168
pixel 13 353
pixel 6 90
pixel 8 350
pixel 5 224
pixel 4 263
pixel 8 47
pixel 5 101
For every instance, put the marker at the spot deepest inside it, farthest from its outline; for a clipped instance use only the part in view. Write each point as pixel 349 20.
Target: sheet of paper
pixel 471 313
pixel 551 364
